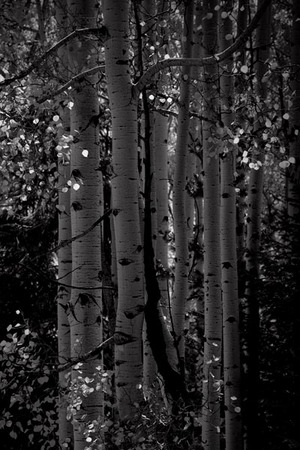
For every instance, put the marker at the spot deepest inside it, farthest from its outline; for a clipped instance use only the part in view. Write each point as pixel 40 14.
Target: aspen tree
pixel 179 193
pixel 85 310
pixel 146 35
pixel 293 199
pixel 125 198
pixel 64 234
pixel 240 60
pixel 293 173
pixel 254 207
pixel 212 273
pixel 231 336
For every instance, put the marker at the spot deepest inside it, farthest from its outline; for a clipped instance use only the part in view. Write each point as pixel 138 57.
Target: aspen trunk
pixel 212 272
pixel 293 204
pixel 254 203
pixel 231 335
pixel 125 195
pixel 64 233
pixel 85 311
pixel 180 195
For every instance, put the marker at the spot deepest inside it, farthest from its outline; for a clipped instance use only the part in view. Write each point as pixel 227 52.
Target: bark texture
pixel 125 197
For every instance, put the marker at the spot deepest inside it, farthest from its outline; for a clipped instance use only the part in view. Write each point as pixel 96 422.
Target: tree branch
pixel 201 62
pixel 65 242
pixel 73 80
pixel 100 32
pixel 91 354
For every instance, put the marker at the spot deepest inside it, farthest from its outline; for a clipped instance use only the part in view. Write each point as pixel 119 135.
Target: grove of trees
pixel 149 224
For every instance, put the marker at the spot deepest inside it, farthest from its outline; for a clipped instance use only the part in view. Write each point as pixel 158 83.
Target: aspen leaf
pixel 244 69
pixel 76 186
pixel 35 121
pixel 292 160
pixel 284 164
pixel 85 153
pixel 56 118
pixel 268 123
pixel 43 380
pixel 286 116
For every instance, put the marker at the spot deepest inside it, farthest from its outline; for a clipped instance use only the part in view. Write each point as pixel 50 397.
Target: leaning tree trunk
pixel 212 273
pixel 125 195
pixel 231 334
pixel 85 310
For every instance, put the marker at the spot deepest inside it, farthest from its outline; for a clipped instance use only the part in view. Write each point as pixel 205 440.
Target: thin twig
pixel 89 355
pixel 80 235
pixel 100 32
pixel 73 80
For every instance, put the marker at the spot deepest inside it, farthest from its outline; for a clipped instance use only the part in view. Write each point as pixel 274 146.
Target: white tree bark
pixel 85 311
pixel 181 227
pixel 125 195
pixel 231 332
pixel 254 204
pixel 64 255
pixel 212 272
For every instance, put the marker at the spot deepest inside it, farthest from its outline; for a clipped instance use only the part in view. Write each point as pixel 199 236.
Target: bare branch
pixel 91 354
pixel 80 235
pixel 99 32
pixel 201 62
pixel 58 283
pixel 73 80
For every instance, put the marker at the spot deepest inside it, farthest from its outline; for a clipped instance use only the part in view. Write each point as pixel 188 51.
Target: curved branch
pixel 201 62
pixel 73 80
